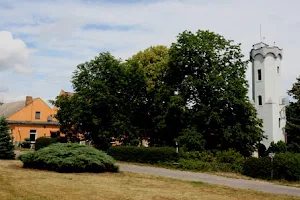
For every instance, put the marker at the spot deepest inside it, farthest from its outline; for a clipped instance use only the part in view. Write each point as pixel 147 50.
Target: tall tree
pixel 208 73
pixel 293 118
pixel 110 93
pixel 6 145
pixel 153 62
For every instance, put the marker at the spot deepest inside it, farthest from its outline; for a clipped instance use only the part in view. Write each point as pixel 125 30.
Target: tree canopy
pixel 293 119
pixel 194 92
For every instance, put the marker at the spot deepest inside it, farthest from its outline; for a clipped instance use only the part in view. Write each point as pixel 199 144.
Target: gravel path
pixel 212 179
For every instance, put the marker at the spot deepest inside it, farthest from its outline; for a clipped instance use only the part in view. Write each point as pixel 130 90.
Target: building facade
pixel 31 118
pixel 267 91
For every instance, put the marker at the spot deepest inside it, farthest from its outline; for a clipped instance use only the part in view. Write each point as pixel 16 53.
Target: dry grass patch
pixel 18 183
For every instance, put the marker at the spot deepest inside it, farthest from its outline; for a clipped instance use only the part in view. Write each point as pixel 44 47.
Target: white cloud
pixel 56 25
pixel 13 52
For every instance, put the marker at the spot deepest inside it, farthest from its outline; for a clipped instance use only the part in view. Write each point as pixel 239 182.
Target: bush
pixel 42 142
pixel 257 167
pixel 285 166
pixel 69 157
pixel 204 156
pixel 197 165
pixel 26 144
pixel 232 157
pixel 150 155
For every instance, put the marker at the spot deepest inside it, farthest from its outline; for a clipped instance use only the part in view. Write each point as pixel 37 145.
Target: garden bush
pixel 69 157
pixel 205 156
pixel 26 144
pixel 257 167
pixel 42 142
pixel 231 157
pixel 150 155
pixel 285 166
pixel 198 165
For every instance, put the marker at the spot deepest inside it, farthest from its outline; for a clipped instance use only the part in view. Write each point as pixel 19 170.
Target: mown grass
pixel 17 183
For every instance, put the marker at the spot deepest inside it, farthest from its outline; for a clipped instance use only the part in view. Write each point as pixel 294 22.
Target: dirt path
pixel 212 179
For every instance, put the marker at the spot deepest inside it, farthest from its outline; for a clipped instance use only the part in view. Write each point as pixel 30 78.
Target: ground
pixel 18 183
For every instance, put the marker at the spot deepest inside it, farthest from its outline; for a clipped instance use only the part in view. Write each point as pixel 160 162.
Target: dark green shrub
pixel 150 155
pixel 26 144
pixel 232 157
pixel 42 142
pixel 287 166
pixel 279 147
pixel 191 140
pixel 257 167
pixel 69 157
pixel 204 156
pixel 197 165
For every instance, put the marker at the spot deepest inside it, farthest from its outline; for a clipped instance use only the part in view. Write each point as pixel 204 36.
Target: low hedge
pixel 197 165
pixel 69 157
pixel 285 166
pixel 42 142
pixel 151 155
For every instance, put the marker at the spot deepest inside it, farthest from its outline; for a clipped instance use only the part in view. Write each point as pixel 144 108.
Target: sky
pixel 42 41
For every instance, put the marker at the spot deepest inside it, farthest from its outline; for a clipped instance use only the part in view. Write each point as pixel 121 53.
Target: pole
pixel 260 33
pixel 272 168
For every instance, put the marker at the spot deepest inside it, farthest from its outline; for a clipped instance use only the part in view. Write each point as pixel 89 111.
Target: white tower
pixel 267 91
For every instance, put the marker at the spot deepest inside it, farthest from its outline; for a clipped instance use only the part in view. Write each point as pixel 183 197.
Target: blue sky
pixel 42 41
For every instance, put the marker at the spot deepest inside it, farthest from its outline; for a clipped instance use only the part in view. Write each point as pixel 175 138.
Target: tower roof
pixel 264 49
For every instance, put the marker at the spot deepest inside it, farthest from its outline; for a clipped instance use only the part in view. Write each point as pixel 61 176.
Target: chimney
pixel 28 100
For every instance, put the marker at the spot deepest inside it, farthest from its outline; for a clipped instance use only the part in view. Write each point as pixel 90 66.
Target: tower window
pixel 259 100
pixel 278 69
pixel 279 122
pixel 259 74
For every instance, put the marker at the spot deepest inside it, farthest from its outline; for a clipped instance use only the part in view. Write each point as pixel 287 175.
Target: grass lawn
pixel 18 183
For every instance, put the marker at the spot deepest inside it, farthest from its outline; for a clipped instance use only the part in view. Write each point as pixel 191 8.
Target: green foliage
pixel 195 91
pixel 279 147
pixel 293 119
pixel 257 167
pixel 285 166
pixel 69 157
pixel 150 155
pixel 204 156
pixel 232 157
pixel 42 142
pixel 198 165
pixel 208 73
pixel 6 145
pixel 26 143
pixel 191 140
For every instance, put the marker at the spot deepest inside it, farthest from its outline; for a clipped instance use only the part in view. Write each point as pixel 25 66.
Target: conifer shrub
pixel 6 145
pixel 69 157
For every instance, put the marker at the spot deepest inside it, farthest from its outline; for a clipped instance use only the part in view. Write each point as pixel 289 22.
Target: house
pixel 30 118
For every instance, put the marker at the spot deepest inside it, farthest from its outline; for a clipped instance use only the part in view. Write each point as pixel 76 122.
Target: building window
pixel 259 100
pixel 37 115
pixel 32 135
pixel 278 69
pixel 259 74
pixel 279 122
